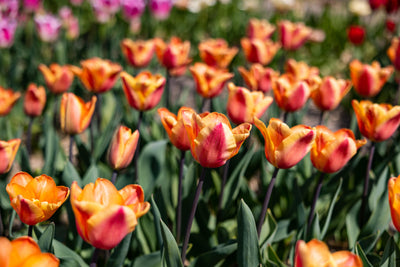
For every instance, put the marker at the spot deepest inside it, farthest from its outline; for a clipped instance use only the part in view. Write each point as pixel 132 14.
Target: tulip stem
pixel 321 117
pixel 71 145
pixel 314 203
pixel 114 176
pixel 29 136
pixel 204 104
pixel 284 116
pixel 136 157
pixel 30 230
pixel 224 177
pixel 266 201
pixel 167 90
pixel 192 213
pixel 95 257
pixel 179 206
pixel 366 184
pixel 1 224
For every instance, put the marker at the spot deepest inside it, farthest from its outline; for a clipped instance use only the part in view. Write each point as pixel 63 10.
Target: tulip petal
pixel 28 212
pixel 5 251
pixel 346 259
pixel 394 200
pixel 23 247
pixel 40 260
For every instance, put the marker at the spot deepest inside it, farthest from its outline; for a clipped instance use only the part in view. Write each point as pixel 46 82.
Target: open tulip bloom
pixel 138 53
pixel 300 69
pixel 259 78
pixel 217 53
pixel 8 98
pixel 58 78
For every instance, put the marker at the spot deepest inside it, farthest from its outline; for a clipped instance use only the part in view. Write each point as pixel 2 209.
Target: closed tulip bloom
pixel 290 94
pixel 377 122
pixel 8 150
pixel 97 75
pixel 35 100
pixel 24 252
pixel 104 215
pixel 394 200
pixel 144 91
pixel 259 78
pixel 284 146
pixel 138 53
pixel 300 70
pixel 58 78
pixel 7 31
pixel 209 80
pixel 48 27
pixel 368 80
pixel 217 53
pixel 293 35
pixel 75 114
pixel 394 52
pixel 345 258
pixel 259 51
pixel 332 150
pixel 329 92
pixel 7 100
pixel 35 200
pixel 212 139
pixel 260 29
pixel 174 126
pixel 174 56
pixel 243 105
pixel 122 148
pixel 356 34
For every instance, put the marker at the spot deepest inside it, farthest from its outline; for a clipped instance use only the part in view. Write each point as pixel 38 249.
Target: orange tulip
pixel 97 75
pixel 377 122
pixel 394 200
pixel 284 146
pixel 216 53
pixel 300 70
pixel 329 92
pixel 290 94
pixel 174 56
pixel 293 35
pixel 259 29
pixel 209 80
pixel 104 215
pixel 243 105
pixel 174 126
pixel 122 148
pixel 368 80
pixel 144 91
pixel 35 100
pixel 332 150
pixel 259 51
pixel 8 150
pixel 35 199
pixel 212 139
pixel 75 114
pixel 259 78
pixel 7 100
pixel 138 53
pixel 316 254
pixel 24 252
pixel 394 53
pixel 58 78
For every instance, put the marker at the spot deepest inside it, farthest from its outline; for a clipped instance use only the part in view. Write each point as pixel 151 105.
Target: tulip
pixel 216 53
pixel 105 9
pixel 259 78
pixel 122 148
pixel 259 29
pixel 293 35
pixel 332 150
pixel 316 254
pixel 375 4
pixel 8 150
pixel 290 94
pixel 244 105
pixel 139 52
pixel 35 100
pixel 35 199
pixel 58 78
pixel 377 122
pixel 259 51
pixel 144 91
pixel 9 9
pixel 368 80
pixel 48 27
pixel 75 114
pixel 7 32
pixel 394 53
pixel 356 34
pixel 160 9
pixel 209 80
pixel 104 215
pixel 32 5
pixel 7 100
pixel 174 56
pixel 69 22
pixel 359 8
pixel 24 252
pixel 390 25
pixel 394 203
pixel 300 70
pixel 97 75
pixel 212 139
pixel 132 9
pixel 329 92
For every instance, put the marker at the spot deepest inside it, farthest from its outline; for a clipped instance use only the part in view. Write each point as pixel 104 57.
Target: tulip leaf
pixel 171 253
pixel 25 164
pixel 157 217
pixel 378 189
pixel 353 230
pixel 214 256
pixel 330 211
pixel 368 243
pixel 120 252
pixel 248 253
pixel 391 254
pixel 64 253
pixel 51 147
pixel 91 175
pixel 359 251
pixel 379 219
pixel 148 260
pixel 268 230
pixel 273 259
pixel 10 225
pixel 70 175
pixel 4 198
pixel 46 239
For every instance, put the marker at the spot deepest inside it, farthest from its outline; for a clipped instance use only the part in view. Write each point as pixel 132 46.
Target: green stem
pixel 71 145
pixel 95 257
pixel 136 157
pixel 29 136
pixel 314 203
pixel 114 176
pixel 30 230
pixel 179 206
pixel 224 178
pixel 366 185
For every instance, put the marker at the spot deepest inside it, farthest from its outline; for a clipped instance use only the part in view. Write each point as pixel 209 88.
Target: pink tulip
pixel 48 27
pixel 7 31
pixel 132 8
pixel 160 8
pixel 32 5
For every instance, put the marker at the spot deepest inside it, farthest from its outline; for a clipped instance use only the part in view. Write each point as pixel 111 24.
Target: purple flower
pixel 48 27
pixel 132 8
pixel 160 8
pixel 7 31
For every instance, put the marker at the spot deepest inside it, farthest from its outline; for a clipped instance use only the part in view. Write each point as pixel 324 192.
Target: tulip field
pixel 199 133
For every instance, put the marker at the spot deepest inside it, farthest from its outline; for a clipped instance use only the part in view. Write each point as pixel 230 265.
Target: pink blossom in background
pixel 132 8
pixel 69 22
pixel 65 13
pixel 160 8
pixel 7 31
pixel 48 27
pixel 32 5
pixel 105 9
pixel 76 2
pixel 9 9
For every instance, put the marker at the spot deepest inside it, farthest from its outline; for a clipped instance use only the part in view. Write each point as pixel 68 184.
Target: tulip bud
pixel 293 35
pixel 259 29
pixel 7 32
pixel 35 100
pixel 259 78
pixel 216 53
pixel 138 53
pixel 259 51
pixel 7 100
pixel 58 78
pixel 122 148
pixel 174 56
pixel 356 34
pixel 8 150
pixel 290 94
pixel 328 92
pixel 48 27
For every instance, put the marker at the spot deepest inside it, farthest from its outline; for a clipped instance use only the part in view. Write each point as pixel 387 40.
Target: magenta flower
pixel 48 27
pixel 9 9
pixel 32 5
pixel 160 8
pixel 76 2
pixel 132 8
pixel 69 22
pixel 105 9
pixel 7 31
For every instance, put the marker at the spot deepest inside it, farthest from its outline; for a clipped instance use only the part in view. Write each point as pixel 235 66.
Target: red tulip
pixel 356 34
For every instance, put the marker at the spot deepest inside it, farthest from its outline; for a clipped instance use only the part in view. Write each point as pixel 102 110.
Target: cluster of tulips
pixel 101 209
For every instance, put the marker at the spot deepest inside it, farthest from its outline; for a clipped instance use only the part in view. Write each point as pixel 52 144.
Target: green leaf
pixel 120 252
pixel 4 197
pixel 248 251
pixel 273 259
pixel 369 242
pixel 46 239
pixel 64 253
pixel 70 174
pixel 361 254
pixel 218 253
pixel 391 254
pixel 330 211
pixel 91 175
pixel 171 254
pixel 10 225
pixel 104 139
pixel 268 230
pixel 353 230
pixel 157 218
pixel 148 260
pixel 51 147
pixel 378 189
pixel 379 219
pixel 25 164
